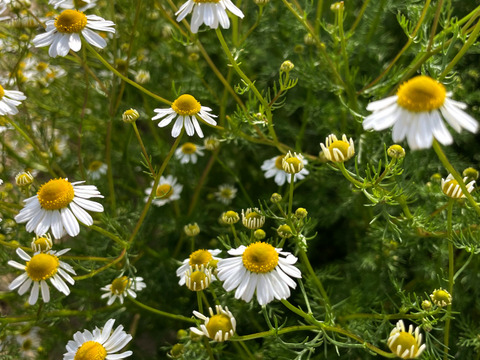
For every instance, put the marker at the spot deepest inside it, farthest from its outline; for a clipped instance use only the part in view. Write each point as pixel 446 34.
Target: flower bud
pixel 130 116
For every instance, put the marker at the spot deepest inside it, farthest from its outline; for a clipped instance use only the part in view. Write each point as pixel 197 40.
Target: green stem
pixel 275 332
pixel 99 270
pixel 290 194
pixel 450 275
pixel 199 301
pixel 161 313
pixel 144 151
pixel 349 177
pixel 108 234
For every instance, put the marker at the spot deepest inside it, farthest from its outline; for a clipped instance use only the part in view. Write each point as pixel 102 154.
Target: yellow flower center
pixel 293 161
pixel 226 193
pixel 200 257
pixel 253 215
pixel 198 280
pixel 91 350
pixel 119 285
pixel 55 194
pixel 441 296
pixel 449 188
pixel 260 257
pixel 70 21
pixel 186 105
pixel 406 341
pixel 121 65
pixel 341 145
pixel 2 92
pixel 278 162
pixel 42 266
pixel 41 66
pixel 189 148
pixel 218 322
pixel 164 191
pixel 95 165
pixel 421 94
pixel 43 242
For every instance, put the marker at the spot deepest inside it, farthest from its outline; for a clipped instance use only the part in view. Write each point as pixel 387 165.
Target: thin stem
pixel 144 151
pixel 359 16
pixel 450 275
pixel 435 24
pixel 274 332
pixel 160 312
pixel 199 301
pixel 108 234
pixel 105 267
pixel 290 194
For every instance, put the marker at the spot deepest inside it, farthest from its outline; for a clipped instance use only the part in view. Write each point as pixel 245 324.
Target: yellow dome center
pixel 260 257
pixel 2 92
pixel 441 295
pixel 119 285
pixel 253 215
pixel 200 257
pixel 55 194
pixel 406 341
pixel 164 191
pixel 279 161
pixel 70 21
pixel 186 105
pixel 199 280
pixel 41 66
pixel 218 322
pixel 91 350
pixel 449 188
pixel 95 165
pixel 341 145
pixel 421 94
pixel 189 148
pixel 44 243
pixel 42 266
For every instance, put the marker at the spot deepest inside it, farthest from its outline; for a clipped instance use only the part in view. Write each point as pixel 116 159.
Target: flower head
pixel 9 100
pixel 59 205
pixel 441 297
pixel 274 168
pixel 96 169
pixel 293 163
pixel 406 345
pixel 252 218
pixel 259 268
pixel 219 327
pixel 98 344
pixel 187 111
pixel 42 243
pixel 451 188
pixel 39 268
pixel 226 193
pixel 416 112
pixel 168 190
pixel 63 33
pixel 208 12
pixel 130 115
pixel 23 178
pixel 211 143
pixel 338 150
pixel 81 5
pixel 198 278
pixel 191 230
pixel 122 287
pixel 189 153
pixel 198 259
pixel 230 217
pixel 396 151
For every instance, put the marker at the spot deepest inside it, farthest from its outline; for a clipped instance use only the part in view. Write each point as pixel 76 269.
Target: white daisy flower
pixel 40 267
pixel 187 111
pixel 208 12
pixel 121 287
pixel 189 153
pixel 259 267
pixel 406 345
pixel 226 193
pixel 80 5
pixel 197 258
pixel 219 327
pixel 273 168
pixel 168 190
pixel 9 100
pixel 338 150
pixel 96 169
pixel 63 33
pixel 98 344
pixel 59 205
pixel 451 188
pixel 416 112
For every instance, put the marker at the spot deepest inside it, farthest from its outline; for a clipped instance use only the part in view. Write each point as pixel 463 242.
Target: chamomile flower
pixel 40 267
pixel 252 218
pixel 208 12
pixel 23 178
pixel 198 278
pixel 416 112
pixel 63 33
pixel 226 193
pixel 259 268
pixel 441 297
pixel 197 258
pixel 80 5
pixel 42 243
pixel 98 344
pixel 59 205
pixel 273 168
pixel 451 188
pixel 187 111
pixel 189 153
pixel 219 327
pixel 122 287
pixel 96 169
pixel 338 150
pixel 168 190
pixel 406 345
pixel 9 100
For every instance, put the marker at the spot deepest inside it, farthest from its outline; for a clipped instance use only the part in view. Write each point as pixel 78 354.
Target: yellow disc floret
pixel 91 350
pixel 406 341
pixel 70 21
pixel 2 92
pixel 55 194
pixel 164 191
pixel 219 322
pixel 278 162
pixel 119 285
pixel 260 257
pixel 42 266
pixel 421 94
pixel 200 257
pixel 186 105
pixel 189 148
